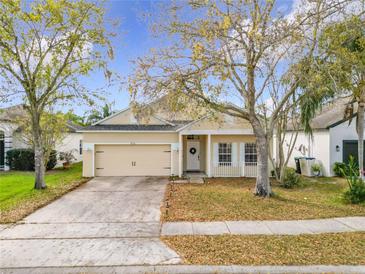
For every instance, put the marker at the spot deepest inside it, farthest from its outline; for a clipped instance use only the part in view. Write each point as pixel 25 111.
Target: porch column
pixel 180 155
pixel 209 160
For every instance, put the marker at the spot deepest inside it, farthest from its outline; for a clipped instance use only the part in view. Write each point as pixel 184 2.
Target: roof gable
pixel 127 117
pixel 218 122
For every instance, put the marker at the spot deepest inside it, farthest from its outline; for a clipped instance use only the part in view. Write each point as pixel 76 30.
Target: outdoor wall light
pixel 338 148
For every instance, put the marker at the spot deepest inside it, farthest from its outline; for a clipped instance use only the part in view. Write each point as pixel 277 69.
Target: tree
pixel 231 49
pixel 54 129
pixel 97 115
pixel 339 70
pixel 45 46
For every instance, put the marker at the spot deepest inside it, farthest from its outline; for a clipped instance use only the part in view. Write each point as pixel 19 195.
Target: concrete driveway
pixel 107 221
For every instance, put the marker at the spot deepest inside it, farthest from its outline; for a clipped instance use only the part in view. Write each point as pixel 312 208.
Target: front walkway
pixel 107 221
pixel 346 224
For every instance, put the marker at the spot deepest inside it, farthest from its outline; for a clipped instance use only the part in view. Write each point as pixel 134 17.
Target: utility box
pixel 306 166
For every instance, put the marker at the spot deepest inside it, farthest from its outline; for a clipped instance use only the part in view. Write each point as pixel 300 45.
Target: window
pixel 80 147
pixel 250 153
pixel 225 154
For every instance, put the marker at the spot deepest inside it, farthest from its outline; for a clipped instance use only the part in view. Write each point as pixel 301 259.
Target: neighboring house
pixel 334 138
pixel 167 143
pixel 11 135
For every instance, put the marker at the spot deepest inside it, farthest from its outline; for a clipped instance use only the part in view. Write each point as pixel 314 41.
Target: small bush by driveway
pixel 18 198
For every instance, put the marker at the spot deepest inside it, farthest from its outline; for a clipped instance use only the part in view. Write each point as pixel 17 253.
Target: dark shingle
pixel 132 127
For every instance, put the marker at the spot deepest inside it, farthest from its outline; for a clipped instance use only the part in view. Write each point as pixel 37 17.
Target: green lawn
pixel 18 198
pixel 222 199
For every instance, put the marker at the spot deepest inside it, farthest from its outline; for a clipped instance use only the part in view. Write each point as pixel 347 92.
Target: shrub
pixel 20 159
pixel 52 161
pixel 23 159
pixel 290 179
pixel 356 192
pixel 316 169
pixel 338 168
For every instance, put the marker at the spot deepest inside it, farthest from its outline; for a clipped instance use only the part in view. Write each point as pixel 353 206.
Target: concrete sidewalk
pixel 346 224
pixel 193 269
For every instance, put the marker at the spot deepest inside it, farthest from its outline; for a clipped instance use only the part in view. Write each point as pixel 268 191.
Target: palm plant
pixel 97 115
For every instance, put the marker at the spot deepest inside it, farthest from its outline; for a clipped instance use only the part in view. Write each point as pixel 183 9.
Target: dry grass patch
pixel 334 249
pixel 233 199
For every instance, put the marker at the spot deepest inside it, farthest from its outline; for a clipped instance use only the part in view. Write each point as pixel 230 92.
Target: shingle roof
pixel 12 113
pixel 132 127
pixel 331 114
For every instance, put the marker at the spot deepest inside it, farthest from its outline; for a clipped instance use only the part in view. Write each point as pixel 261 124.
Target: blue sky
pixel 133 40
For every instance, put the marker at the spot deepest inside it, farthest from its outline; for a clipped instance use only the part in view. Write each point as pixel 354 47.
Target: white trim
pixel 209 141
pixel 163 120
pixel 219 132
pixel 180 155
pixel 110 116
pixel 132 143
pixel 191 123
pixel 124 143
pixel 93 160
pixel 171 160
pixel 137 131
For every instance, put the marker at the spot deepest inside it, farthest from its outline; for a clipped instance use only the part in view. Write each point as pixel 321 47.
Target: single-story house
pixel 168 144
pixel 11 135
pixel 333 140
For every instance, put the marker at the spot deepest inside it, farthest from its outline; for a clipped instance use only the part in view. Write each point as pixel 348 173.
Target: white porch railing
pixel 226 170
pixel 249 169
pixel 234 170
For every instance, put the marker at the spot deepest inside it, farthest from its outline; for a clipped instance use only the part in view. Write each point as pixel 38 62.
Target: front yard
pixel 232 199
pixel 18 198
pixel 328 249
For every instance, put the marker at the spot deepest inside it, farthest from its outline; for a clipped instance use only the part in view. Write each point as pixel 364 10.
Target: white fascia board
pixel 163 120
pixel 128 131
pixel 192 123
pixel 218 132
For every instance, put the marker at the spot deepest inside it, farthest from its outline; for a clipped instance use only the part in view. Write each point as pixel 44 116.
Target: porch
pixel 217 155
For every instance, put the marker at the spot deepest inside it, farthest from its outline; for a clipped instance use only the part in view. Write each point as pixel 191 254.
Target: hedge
pixel 23 159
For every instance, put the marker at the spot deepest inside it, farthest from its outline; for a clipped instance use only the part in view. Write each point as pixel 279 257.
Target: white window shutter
pixel 215 154
pixel 234 153
pixel 242 153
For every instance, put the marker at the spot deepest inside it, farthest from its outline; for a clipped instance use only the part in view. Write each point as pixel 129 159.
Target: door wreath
pixel 192 150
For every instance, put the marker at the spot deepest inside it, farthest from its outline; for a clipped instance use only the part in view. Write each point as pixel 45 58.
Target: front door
pixel 193 155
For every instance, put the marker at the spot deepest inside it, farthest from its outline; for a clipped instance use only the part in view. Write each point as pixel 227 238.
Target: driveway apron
pixel 107 221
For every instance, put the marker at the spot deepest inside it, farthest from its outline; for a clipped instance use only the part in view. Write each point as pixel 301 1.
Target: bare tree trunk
pixel 39 165
pixel 262 181
pixel 262 146
pixel 360 133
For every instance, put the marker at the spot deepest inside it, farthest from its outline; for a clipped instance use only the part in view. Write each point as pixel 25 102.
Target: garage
pixel 350 149
pixel 132 160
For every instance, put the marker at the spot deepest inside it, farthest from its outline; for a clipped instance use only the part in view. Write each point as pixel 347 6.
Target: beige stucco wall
pixel 221 122
pixel 125 138
pixel 87 166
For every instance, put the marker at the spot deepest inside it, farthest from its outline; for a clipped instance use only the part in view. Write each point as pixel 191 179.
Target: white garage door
pixel 132 160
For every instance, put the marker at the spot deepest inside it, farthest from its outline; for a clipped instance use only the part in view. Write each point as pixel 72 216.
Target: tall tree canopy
pixel 232 51
pixel 338 70
pixel 45 46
